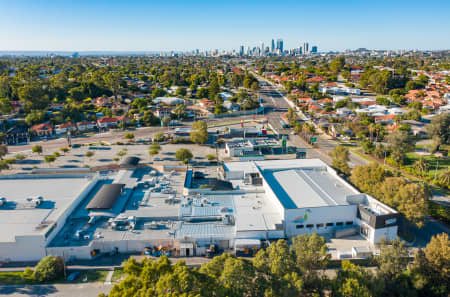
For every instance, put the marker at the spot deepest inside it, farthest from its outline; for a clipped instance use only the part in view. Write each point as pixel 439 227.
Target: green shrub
pixel 48 269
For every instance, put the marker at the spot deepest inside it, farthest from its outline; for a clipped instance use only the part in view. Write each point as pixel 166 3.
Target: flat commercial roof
pixel 205 230
pixel 300 188
pixel 106 196
pixel 17 218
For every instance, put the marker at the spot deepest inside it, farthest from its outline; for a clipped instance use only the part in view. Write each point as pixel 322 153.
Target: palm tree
pixel 421 166
pixel 444 178
pixel 371 130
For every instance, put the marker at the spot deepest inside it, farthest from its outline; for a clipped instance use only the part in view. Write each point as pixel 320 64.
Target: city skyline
pixel 155 26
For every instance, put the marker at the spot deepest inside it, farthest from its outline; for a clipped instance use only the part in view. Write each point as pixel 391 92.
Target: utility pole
pixel 435 171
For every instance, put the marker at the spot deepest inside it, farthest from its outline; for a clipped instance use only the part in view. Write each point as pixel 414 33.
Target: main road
pixel 277 104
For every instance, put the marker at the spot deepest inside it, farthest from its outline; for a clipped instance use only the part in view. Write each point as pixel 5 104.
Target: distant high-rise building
pixel 280 45
pixel 241 50
pixel 262 49
pixel 272 47
pixel 305 48
pixel 314 49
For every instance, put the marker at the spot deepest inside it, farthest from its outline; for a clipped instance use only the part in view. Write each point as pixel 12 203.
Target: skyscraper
pixel 314 49
pixel 305 48
pixel 262 49
pixel 272 48
pixel 280 45
pixel 241 50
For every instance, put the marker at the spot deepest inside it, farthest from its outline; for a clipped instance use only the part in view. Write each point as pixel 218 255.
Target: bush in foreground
pixel 48 269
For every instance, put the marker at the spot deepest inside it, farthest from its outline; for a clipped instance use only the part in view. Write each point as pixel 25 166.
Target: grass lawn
pixel 118 275
pixel 92 276
pixel 432 161
pixel 15 278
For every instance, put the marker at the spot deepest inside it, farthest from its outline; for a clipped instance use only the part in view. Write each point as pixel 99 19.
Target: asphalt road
pixel 276 105
pixel 71 290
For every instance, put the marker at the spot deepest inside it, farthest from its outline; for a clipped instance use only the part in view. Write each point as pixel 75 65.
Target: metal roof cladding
pixel 130 161
pixel 106 196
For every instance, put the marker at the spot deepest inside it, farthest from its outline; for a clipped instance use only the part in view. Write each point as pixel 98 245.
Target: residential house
pixel 162 112
pixel 385 119
pixel 64 128
pixel 107 122
pixel 43 129
pixel 86 126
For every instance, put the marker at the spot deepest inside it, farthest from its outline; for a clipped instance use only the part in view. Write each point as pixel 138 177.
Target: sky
pixel 147 25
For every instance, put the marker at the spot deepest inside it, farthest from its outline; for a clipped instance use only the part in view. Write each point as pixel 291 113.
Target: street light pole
pixel 435 171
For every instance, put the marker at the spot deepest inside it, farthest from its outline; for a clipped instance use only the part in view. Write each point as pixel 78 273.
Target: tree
pixel 199 132
pixel 383 101
pixel 393 259
pixel 159 137
pixel 254 86
pixel 352 281
pixel 202 93
pixel 180 111
pixel 20 157
pixel 129 136
pixel 37 149
pixel 399 143
pixel 35 117
pixel 65 150
pixel 153 152
pixel 183 155
pixel 337 64
pixel 113 81
pixel 3 150
pixel 210 157
pixel 33 96
pixel 439 129
pixel 237 277
pixel 431 267
pixel 408 198
pixel 49 268
pixel 291 115
pixel 392 269
pixel 421 166
pixel 219 109
pixel 366 178
pixel 311 253
pixel 444 178
pixel 158 93
pixel 49 159
pixel 5 106
pixel 90 154
pixel 340 158
pixel 181 91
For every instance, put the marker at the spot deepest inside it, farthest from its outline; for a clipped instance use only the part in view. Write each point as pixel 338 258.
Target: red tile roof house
pixel 107 122
pixel 386 119
pixel 42 129
pixel 64 128
pixel 86 125
pixel 124 119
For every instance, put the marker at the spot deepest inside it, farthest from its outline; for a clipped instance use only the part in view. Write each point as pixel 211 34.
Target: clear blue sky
pixel 146 25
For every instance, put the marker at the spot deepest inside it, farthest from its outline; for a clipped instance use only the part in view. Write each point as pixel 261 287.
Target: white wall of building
pixel 25 248
pixel 319 215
